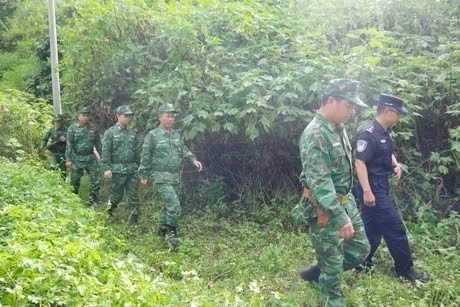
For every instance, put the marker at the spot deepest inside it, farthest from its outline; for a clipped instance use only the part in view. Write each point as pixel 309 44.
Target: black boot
pixel 310 273
pixel 111 209
pixel 413 276
pixel 162 233
pixel 364 267
pixel 173 239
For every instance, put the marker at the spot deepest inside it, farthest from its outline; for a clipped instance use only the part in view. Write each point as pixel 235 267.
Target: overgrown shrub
pixel 24 119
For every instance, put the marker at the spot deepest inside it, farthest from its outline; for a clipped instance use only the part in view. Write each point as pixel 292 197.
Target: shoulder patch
pixel 361 145
pixel 370 129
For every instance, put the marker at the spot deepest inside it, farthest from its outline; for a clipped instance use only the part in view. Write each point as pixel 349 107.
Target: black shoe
pixel 175 242
pixel 162 234
pixel 364 267
pixel 411 275
pixel 310 273
pixel 111 210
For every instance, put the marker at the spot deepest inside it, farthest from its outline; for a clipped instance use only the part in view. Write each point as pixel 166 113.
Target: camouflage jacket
pixel 162 155
pixel 80 143
pixel 325 152
pixel 120 150
pixel 53 136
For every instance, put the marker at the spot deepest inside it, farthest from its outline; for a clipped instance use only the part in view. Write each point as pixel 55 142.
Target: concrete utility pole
pixel 54 58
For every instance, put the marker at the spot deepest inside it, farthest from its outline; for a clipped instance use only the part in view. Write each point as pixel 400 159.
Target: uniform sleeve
pixel 69 150
pixel 187 154
pixel 145 167
pixel 316 168
pixel 45 139
pixel 364 146
pixel 107 148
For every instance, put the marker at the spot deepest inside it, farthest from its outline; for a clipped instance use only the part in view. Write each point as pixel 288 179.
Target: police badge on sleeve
pixel 361 145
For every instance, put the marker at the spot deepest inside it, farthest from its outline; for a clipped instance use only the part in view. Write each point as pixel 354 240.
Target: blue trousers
pixel 383 220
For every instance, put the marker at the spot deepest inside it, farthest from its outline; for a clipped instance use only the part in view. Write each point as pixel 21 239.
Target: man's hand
pixel 347 231
pixel 144 182
pixel 62 139
pixel 369 198
pixel 198 165
pixel 48 152
pixel 397 172
pixel 68 164
pixel 108 174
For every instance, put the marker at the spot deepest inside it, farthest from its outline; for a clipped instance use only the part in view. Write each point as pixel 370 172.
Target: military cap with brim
pixel 124 109
pixel 386 100
pixel 167 108
pixel 345 88
pixel 84 110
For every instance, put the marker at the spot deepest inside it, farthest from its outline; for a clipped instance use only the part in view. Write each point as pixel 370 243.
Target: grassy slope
pixel 54 250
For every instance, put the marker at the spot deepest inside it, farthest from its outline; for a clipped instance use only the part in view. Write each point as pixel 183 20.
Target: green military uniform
pixel 120 155
pixel 81 141
pixel 57 147
pixel 161 163
pixel 327 172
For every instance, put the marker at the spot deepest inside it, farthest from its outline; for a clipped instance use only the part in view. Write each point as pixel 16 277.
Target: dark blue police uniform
pixel 374 146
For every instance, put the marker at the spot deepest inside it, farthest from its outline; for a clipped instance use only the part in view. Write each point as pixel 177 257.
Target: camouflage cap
pixel 84 110
pixel 167 108
pixel 58 117
pixel 345 88
pixel 124 109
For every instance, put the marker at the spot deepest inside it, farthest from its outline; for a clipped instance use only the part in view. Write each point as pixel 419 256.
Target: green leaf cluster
pixel 247 75
pixel 24 119
pixel 52 250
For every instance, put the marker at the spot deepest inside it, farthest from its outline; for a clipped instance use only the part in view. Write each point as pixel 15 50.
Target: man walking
pixel 336 229
pixel 375 162
pixel 82 141
pixel 161 163
pixel 56 148
pixel 120 161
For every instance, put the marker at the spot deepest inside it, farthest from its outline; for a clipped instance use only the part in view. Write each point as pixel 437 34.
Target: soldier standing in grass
pixel 336 229
pixel 56 148
pixel 161 161
pixel 375 162
pixel 82 141
pixel 120 162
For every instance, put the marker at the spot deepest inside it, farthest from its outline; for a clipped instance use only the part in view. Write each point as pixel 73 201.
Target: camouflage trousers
pixel 336 255
pixel 129 183
pixel 168 193
pixel 92 168
pixel 57 161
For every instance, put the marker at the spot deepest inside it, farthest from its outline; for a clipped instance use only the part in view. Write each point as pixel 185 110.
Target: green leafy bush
pixel 24 119
pixel 52 251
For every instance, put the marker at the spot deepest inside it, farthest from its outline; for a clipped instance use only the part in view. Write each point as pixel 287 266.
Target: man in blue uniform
pixel 375 162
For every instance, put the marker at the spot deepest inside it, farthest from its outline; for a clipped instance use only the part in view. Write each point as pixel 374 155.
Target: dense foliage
pixel 247 76
pixel 56 252
pixel 24 119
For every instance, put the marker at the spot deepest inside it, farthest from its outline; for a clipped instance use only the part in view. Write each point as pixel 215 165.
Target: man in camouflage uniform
pixel 161 163
pixel 82 141
pixel 336 229
pixel 120 161
pixel 56 148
